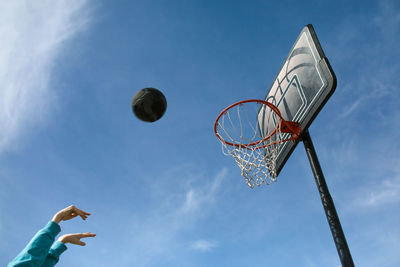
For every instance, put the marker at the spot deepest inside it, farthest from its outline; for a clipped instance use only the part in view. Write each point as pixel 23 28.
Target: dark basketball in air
pixel 149 104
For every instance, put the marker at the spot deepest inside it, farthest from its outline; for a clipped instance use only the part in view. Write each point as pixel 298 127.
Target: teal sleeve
pixel 35 253
pixel 54 254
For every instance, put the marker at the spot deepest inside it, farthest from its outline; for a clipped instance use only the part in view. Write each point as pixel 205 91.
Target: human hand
pixel 75 238
pixel 68 213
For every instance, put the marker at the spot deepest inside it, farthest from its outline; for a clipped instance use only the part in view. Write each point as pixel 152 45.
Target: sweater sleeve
pixel 54 254
pixel 35 253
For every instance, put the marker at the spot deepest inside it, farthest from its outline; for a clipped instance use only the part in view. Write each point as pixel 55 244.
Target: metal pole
pixel 327 202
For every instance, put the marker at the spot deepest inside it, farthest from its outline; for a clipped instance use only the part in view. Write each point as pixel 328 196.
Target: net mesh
pixel 244 128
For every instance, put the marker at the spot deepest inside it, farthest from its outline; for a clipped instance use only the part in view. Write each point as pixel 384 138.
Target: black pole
pixel 327 202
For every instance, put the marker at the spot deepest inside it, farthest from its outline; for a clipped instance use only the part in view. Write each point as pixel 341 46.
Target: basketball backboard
pixel 300 90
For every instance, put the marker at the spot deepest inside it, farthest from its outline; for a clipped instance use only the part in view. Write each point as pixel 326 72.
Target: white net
pixel 244 129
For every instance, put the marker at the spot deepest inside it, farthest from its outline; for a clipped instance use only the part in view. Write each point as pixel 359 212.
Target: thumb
pixel 81 243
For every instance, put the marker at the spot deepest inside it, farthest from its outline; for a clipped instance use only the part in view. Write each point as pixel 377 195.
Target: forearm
pixel 54 254
pixel 35 253
pixel 56 219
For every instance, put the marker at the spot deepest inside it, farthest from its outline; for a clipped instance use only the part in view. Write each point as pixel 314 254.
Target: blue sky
pixel 162 194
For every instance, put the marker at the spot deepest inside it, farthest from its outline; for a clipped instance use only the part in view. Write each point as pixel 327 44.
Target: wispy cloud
pixel 388 193
pixel 366 63
pixel 203 245
pixel 389 18
pixel 368 91
pixel 198 197
pixel 378 184
pixel 161 233
pixel 349 109
pixel 33 34
pixel 385 192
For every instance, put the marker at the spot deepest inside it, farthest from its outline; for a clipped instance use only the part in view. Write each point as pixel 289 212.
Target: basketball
pixel 149 104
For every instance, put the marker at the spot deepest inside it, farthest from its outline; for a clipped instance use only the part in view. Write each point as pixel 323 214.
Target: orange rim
pixel 293 129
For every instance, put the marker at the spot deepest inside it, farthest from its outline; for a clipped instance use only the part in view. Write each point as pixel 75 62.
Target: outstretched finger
pixel 81 213
pixel 88 234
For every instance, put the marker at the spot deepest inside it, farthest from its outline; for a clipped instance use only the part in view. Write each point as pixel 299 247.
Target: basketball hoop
pixel 252 132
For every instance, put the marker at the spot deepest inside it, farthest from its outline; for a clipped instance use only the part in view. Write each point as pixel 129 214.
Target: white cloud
pixel 203 245
pixel 198 197
pixel 381 188
pixel 348 110
pixel 386 192
pixel 162 232
pixel 388 19
pixel 33 34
